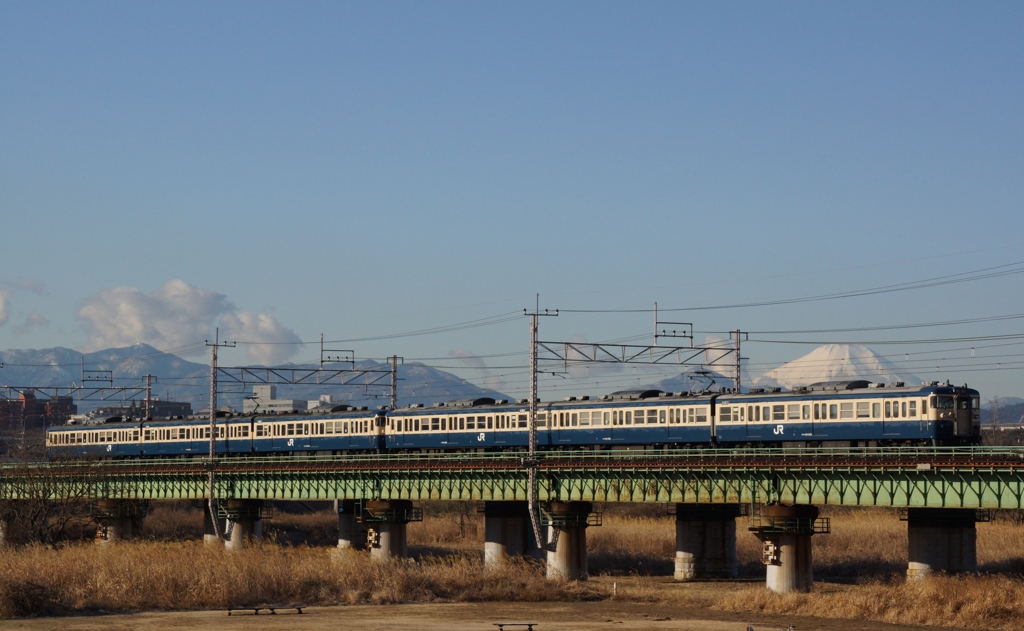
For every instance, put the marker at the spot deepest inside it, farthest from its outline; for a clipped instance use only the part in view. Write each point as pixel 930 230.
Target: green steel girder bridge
pixel 979 477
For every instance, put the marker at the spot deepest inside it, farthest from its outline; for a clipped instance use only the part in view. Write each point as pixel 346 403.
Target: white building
pixel 264 400
pixel 325 402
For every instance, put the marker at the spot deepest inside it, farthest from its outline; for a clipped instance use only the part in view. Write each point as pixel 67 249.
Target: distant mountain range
pixel 181 380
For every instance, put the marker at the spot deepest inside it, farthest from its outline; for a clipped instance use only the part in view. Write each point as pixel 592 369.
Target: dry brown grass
pixel 38 581
pixel 986 602
pixel 862 563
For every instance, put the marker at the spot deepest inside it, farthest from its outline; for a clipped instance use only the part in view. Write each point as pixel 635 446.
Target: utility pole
pixel 213 422
pixel 149 397
pixel 736 342
pixel 532 459
pixel 393 360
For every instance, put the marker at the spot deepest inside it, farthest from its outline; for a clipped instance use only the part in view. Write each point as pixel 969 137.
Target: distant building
pixel 137 409
pixel 323 404
pixel 264 400
pixel 28 412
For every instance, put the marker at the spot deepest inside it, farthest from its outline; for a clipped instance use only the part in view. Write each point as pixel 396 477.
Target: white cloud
pixel 177 315
pixel 33 285
pixel 720 356
pixel 269 342
pixel 33 320
pixel 4 316
pixel 471 360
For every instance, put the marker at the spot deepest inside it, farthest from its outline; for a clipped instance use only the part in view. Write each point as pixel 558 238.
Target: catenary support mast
pixel 213 425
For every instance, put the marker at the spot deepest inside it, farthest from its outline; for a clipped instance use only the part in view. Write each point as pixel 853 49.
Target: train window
pixel 942 403
pixel 702 415
pixel 725 414
pixel 766 413
pixel 344 427
pixel 629 418
pixel 904 406
pixel 435 424
pixel 584 418
pixel 490 422
pixel 652 417
pixel 778 413
pixel 816 415
pixel 806 412
pixel 291 429
pixel 888 409
pixel 833 411
pixel 863 409
pixel 605 416
pixel 846 410
pixel 913 408
pixel 895 409
pixel 793 411
pixel 462 422
pixel 522 420
pixel 661 417
pixel 876 410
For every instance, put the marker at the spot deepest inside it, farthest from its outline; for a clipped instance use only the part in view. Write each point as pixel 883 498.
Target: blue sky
pixel 365 169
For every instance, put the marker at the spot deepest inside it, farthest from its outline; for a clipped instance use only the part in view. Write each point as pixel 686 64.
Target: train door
pixel 565 433
pixel 890 416
pixel 755 426
pixel 675 424
pixel 963 416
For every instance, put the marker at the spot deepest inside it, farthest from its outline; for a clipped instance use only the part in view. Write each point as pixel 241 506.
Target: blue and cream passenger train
pixel 840 413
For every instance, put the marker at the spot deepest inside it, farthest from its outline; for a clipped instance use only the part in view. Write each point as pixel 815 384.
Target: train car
pixel 350 430
pixel 353 430
pixel 481 423
pixel 845 413
pixel 109 440
pixel 625 418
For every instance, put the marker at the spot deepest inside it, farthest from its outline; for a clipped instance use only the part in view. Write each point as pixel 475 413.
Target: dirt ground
pixel 441 617
pixel 608 615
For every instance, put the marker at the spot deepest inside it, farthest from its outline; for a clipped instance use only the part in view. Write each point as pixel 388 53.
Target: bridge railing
pixel 593 458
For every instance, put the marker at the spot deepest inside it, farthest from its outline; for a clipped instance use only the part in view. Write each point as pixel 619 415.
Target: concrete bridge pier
pixel 941 540
pixel 568 522
pixel 244 515
pixel 117 519
pixel 706 541
pixel 786 533
pixel 351 532
pixel 209 534
pixel 388 521
pixel 507 531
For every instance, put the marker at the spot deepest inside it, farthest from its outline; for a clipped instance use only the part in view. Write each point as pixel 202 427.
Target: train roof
pixel 349 412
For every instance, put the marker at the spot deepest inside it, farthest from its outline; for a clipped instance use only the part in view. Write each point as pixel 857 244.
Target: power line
pixel 996 271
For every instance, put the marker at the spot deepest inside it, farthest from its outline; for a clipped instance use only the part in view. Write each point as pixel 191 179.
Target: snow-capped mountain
pixel 833 362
